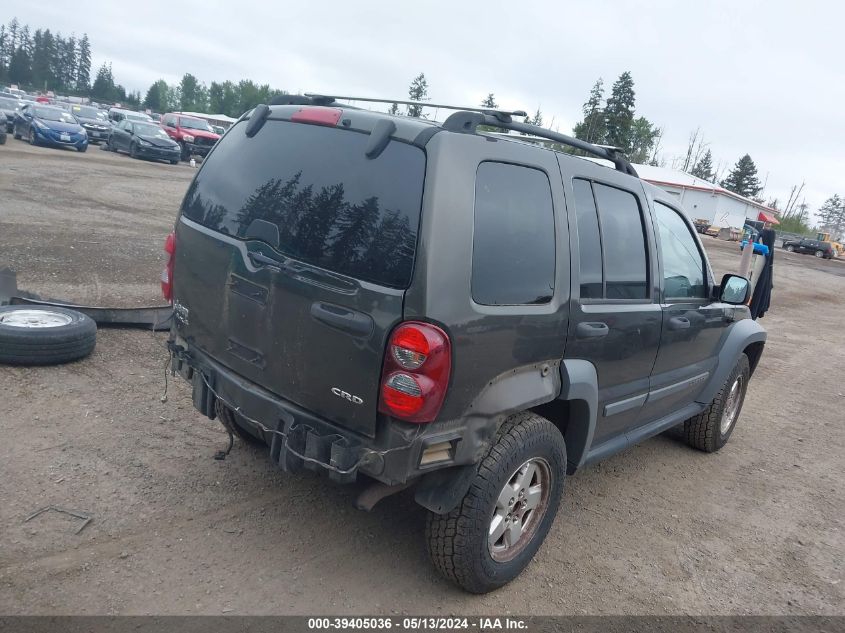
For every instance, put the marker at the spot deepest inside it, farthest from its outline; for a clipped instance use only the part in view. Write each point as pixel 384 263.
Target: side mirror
pixel 734 290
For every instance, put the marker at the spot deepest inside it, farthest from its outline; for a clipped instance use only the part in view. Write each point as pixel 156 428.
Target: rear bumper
pixel 299 439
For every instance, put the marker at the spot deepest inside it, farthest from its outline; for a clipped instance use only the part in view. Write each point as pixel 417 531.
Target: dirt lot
pixel 756 528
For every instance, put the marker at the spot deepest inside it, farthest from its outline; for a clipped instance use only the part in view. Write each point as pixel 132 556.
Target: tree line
pixel 43 59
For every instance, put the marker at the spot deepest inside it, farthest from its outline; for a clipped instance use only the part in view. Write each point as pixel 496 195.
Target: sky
pixel 764 78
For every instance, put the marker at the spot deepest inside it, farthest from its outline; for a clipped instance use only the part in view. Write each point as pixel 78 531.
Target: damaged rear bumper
pixel 298 439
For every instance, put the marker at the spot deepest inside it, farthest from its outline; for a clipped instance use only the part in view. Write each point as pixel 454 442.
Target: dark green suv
pixel 475 314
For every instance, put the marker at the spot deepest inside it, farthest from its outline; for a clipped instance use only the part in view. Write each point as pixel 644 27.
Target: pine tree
pixel 538 118
pixel 104 87
pixel 83 65
pixel 742 179
pixel 4 56
pixel 619 112
pixel 832 216
pixel 644 135
pixel 704 167
pixel 193 95
pixel 394 109
pixel 157 99
pixel 593 128
pixel 490 102
pixel 417 91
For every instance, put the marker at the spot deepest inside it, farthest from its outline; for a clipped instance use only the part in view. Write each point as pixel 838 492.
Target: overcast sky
pixel 763 77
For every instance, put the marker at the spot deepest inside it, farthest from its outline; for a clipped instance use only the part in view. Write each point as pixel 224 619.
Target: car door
pixel 22 121
pixel 124 129
pixel 693 323
pixel 614 317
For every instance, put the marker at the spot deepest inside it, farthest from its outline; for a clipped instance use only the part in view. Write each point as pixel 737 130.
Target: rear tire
pixel 819 254
pixel 710 430
pixel 44 335
pixel 790 248
pixel 463 544
pixel 16 135
pixel 174 162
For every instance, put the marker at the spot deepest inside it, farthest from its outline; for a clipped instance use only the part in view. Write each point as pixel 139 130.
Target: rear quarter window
pixel 513 245
pixel 332 206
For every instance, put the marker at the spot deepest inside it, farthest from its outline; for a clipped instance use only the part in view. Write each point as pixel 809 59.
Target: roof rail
pixel 426 104
pixel 468 122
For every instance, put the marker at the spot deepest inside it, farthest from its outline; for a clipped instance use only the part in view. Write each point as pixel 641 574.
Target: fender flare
pixel 738 337
pixel 579 387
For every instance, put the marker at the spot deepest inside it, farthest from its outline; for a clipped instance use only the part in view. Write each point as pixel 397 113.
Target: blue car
pixel 45 125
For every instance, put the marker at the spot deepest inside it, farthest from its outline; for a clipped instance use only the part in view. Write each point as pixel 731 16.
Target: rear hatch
pixel 293 253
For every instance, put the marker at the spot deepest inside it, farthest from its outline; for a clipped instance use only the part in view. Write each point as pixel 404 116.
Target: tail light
pixel 167 273
pixel 416 371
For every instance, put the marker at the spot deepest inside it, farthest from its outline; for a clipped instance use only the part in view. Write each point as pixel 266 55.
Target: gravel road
pixel 658 529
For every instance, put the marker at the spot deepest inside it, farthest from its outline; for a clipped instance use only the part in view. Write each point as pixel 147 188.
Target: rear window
pixel 334 207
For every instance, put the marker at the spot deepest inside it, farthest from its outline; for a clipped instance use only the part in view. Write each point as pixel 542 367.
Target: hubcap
pixel 520 508
pixel 35 319
pixel 732 406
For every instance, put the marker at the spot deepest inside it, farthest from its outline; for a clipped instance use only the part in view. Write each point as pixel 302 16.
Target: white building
pixel 704 200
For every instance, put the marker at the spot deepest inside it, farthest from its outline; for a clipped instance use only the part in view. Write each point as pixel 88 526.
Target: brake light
pixel 167 273
pixel 319 115
pixel 417 364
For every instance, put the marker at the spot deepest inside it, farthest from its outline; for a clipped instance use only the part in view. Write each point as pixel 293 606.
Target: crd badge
pixel 346 396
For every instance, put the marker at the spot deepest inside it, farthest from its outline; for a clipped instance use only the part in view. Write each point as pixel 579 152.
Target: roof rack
pixel 468 122
pixel 319 99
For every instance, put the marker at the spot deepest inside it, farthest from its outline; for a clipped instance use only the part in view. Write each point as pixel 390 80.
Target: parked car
pixel 47 125
pixel 144 140
pixel 811 247
pixel 9 107
pixel 194 135
pixel 421 304
pixel 95 122
pixel 116 115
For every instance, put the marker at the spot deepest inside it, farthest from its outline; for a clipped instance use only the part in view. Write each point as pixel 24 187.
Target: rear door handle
pixel 678 323
pixel 592 329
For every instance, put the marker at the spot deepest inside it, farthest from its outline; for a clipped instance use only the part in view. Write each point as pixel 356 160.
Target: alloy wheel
pixel 519 510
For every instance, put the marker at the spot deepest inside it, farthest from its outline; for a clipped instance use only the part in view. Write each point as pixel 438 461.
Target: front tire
pixel 133 151
pixel 790 248
pixel 490 538
pixel 31 138
pixel 710 430
pixel 82 149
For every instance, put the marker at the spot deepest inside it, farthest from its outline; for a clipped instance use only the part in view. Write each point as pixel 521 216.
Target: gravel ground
pixel 658 529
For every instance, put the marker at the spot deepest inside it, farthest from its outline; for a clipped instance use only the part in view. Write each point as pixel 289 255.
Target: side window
pixel 589 241
pixel 513 244
pixel 683 265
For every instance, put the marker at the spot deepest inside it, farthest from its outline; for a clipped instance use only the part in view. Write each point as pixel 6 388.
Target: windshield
pixel 8 104
pixel 137 116
pixel 148 129
pixel 195 124
pixel 53 114
pixel 88 112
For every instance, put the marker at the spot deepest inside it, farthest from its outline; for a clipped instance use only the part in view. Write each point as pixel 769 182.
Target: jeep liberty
pixel 475 314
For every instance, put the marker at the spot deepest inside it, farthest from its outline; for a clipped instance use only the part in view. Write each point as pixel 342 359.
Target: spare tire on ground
pixel 44 335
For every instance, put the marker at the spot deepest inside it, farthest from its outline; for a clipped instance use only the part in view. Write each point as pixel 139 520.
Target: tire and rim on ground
pixel 36 335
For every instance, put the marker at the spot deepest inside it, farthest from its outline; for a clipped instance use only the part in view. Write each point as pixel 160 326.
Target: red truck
pixel 194 135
